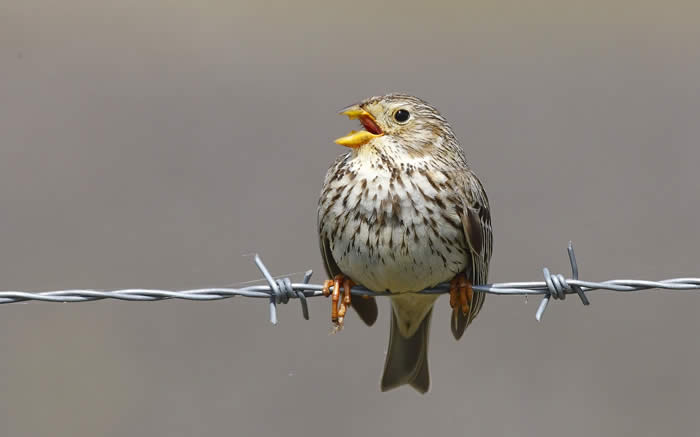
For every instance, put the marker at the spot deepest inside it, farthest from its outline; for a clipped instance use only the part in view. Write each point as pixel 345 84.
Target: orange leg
pixel 461 293
pixel 339 307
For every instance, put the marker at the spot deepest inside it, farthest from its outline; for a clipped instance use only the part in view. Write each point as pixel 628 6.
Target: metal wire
pixel 280 291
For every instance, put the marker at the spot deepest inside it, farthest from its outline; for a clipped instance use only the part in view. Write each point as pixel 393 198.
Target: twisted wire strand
pixel 282 290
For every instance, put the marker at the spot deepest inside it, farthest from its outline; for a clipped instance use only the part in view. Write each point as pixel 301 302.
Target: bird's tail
pixel 407 357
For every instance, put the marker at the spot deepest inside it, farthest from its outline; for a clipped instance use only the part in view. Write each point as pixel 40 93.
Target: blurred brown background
pixel 153 143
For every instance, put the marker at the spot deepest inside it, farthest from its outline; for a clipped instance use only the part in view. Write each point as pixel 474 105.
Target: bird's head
pixel 398 124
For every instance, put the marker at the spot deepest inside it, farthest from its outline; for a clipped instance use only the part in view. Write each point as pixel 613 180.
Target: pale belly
pixel 415 267
pixel 397 241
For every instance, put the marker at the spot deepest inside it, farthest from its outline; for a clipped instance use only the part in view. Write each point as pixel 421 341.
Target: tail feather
pixel 407 358
pixel 421 381
pixel 459 321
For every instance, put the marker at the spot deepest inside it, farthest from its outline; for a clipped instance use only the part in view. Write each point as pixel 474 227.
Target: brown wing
pixel 476 222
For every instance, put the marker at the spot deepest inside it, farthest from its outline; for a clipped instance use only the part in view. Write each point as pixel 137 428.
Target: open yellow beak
pixel 356 139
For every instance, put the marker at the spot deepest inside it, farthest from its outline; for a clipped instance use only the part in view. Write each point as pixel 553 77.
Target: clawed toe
pixel 461 293
pixel 339 306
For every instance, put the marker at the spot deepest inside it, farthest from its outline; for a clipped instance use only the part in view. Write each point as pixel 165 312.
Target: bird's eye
pixel 401 115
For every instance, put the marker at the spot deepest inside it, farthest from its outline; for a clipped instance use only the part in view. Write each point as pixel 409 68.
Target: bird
pixel 402 211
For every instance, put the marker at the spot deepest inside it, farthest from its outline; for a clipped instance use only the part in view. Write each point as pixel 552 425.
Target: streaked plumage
pixel 404 212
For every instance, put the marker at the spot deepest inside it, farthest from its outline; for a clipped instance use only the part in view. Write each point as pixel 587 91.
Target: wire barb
pixel 281 291
pixel 558 286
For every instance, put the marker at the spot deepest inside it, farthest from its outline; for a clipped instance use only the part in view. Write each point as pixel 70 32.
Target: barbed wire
pixel 282 290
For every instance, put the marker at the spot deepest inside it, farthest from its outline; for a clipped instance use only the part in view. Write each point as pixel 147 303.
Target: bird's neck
pixel 384 154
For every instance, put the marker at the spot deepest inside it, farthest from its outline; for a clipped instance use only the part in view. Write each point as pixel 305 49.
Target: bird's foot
pixel 339 305
pixel 461 294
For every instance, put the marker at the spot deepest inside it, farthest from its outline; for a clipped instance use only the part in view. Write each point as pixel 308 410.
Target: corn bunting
pixel 401 212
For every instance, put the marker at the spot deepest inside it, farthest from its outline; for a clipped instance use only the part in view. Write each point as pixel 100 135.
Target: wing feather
pixel 475 216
